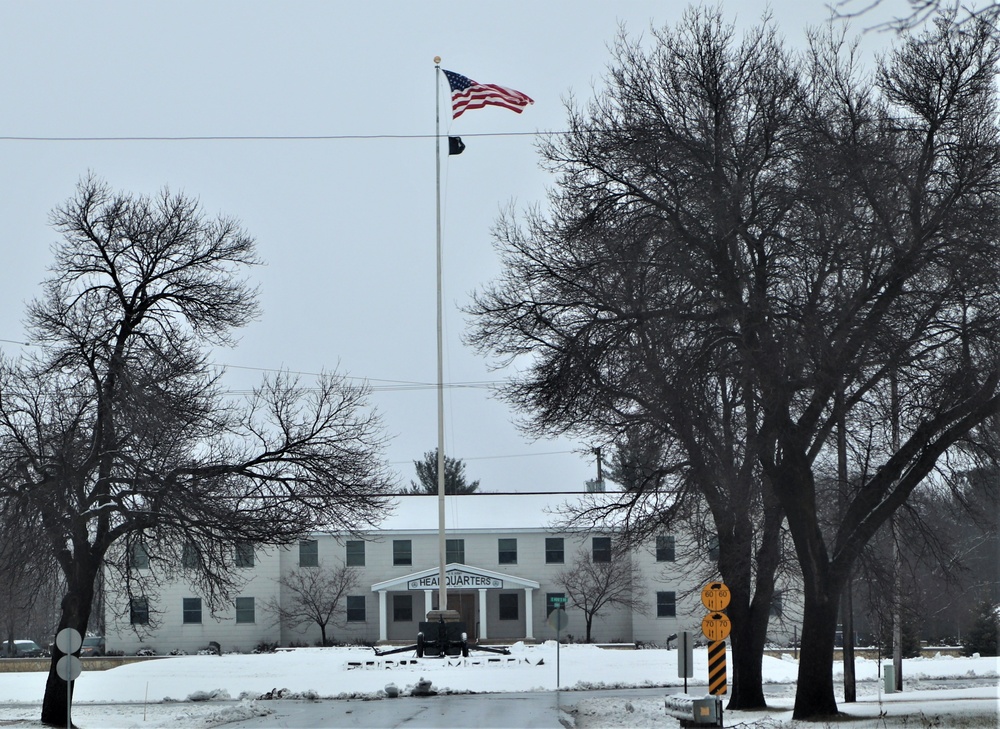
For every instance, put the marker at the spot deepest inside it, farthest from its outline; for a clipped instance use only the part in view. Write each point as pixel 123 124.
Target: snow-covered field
pixel 210 690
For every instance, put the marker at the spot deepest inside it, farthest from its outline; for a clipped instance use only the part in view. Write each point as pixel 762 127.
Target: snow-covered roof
pixel 481 511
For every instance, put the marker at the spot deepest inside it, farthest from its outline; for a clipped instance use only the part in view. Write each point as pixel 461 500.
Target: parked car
pixel 93 645
pixel 21 649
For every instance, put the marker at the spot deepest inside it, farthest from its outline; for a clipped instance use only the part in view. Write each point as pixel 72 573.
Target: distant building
pixel 503 558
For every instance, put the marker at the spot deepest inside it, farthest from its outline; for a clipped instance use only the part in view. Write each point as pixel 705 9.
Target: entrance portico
pixel 461 578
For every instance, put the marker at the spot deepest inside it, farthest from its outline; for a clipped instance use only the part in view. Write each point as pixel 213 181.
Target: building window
pixel 308 553
pixel 666 604
pixel 602 549
pixel 355 553
pixel 245 612
pixel 665 548
pixel 192 610
pixel 189 556
pixel 356 609
pixel 138 557
pixel 138 611
pixel 554 550
pixel 402 551
pixel 507 551
pixel 777 609
pixel 508 606
pixel 713 548
pixel 550 605
pixel 454 550
pixel 244 554
pixel 402 608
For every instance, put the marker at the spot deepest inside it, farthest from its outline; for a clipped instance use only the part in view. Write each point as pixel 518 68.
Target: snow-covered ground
pixel 210 691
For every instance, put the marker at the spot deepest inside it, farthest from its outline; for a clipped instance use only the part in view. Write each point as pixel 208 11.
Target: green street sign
pixel 559 599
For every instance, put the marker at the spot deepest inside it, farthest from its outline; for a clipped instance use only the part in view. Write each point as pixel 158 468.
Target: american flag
pixel 467 94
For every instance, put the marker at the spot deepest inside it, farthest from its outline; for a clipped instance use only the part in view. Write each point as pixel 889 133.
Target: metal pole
pixel 442 553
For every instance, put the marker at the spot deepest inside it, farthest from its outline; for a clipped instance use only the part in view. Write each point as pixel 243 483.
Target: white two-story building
pixel 504 565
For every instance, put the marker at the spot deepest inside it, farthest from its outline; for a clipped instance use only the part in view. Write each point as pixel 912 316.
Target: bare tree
pixel 919 12
pixel 593 586
pixel 314 597
pixel 616 299
pixel 773 247
pixel 27 573
pixel 117 433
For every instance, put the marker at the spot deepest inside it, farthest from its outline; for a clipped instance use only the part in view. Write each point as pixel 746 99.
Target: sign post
pixel 558 619
pixel 685 657
pixel 69 640
pixel 716 626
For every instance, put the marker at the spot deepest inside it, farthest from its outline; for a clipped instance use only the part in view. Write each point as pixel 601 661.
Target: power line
pixel 259 137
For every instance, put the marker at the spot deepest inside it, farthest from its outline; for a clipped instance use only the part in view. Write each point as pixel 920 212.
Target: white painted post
pixel 383 607
pixel 529 623
pixel 482 614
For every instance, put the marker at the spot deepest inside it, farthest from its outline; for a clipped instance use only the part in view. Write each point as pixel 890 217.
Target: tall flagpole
pixel 442 552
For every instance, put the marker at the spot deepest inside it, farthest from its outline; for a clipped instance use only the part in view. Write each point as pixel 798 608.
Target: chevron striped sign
pixel 717 667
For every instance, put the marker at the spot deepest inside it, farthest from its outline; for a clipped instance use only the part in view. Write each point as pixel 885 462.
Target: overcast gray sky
pixel 346 226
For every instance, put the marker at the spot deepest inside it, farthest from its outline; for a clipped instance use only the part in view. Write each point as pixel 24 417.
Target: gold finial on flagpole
pixel 437 59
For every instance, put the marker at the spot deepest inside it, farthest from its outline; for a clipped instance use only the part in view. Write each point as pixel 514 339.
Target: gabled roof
pixel 457 570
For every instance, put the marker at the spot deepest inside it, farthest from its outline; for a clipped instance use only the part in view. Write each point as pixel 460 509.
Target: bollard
pixel 889 677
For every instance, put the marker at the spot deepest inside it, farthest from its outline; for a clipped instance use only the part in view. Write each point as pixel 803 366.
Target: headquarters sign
pixel 456 578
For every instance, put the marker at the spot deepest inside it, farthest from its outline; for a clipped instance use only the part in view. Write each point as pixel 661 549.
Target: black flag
pixel 455 145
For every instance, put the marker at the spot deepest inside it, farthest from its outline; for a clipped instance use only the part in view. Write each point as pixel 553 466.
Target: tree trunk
pixel 747 638
pixel 590 621
pixel 814 691
pixel 850 684
pixel 76 606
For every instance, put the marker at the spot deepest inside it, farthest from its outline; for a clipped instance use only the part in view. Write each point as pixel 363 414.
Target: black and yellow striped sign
pixel 717 667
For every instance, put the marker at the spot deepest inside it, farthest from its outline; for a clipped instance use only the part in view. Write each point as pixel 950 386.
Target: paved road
pixel 539 710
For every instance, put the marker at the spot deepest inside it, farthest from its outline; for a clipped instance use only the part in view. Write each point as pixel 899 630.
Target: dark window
pixel 244 554
pixel 138 611
pixel 454 550
pixel 777 609
pixel 308 553
pixel 138 557
pixel 355 553
pixel 666 604
pixel 507 551
pixel 189 557
pixel 356 608
pixel 550 605
pixel 245 612
pixel 402 608
pixel 402 551
pixel 508 606
pixel 665 548
pixel 192 609
pixel 713 548
pixel 554 550
pixel 602 549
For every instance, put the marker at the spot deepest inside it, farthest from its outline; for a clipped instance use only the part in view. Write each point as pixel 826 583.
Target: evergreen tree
pixel 982 639
pixel 454 476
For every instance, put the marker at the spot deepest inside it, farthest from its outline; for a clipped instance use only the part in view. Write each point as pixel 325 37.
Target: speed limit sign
pixel 716 626
pixel 715 596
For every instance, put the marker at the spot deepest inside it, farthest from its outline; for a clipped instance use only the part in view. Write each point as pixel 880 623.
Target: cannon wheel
pixel 420 645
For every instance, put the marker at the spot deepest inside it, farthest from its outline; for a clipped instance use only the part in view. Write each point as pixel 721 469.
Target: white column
pixel 428 602
pixel 482 614
pixel 529 623
pixel 383 609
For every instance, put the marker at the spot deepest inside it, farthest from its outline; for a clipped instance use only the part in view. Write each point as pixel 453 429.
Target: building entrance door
pixel 465 604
